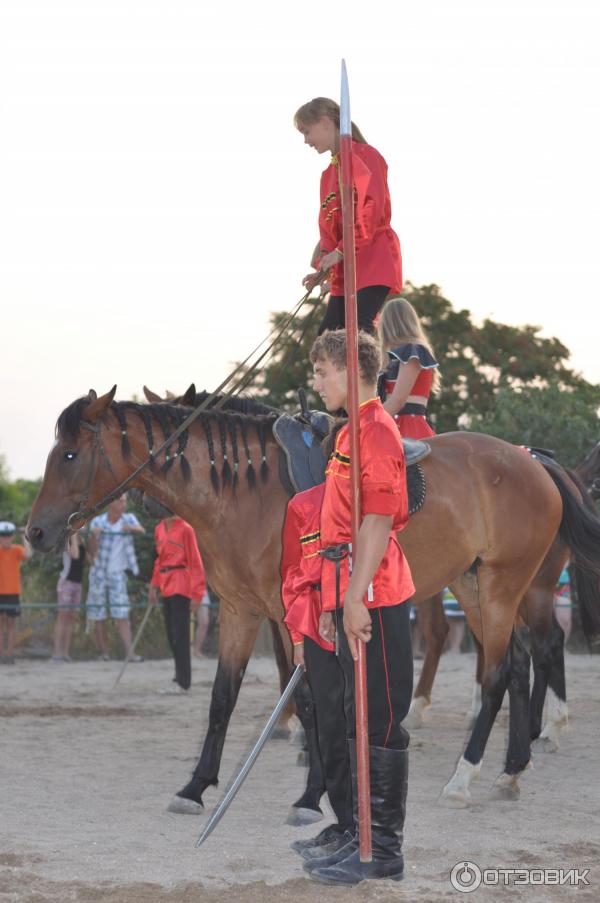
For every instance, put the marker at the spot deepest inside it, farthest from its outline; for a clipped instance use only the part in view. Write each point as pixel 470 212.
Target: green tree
pixel 477 363
pixel 16 497
pixel 560 420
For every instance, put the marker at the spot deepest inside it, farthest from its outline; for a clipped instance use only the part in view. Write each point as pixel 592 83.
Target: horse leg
pixel 547 646
pixel 506 786
pixel 489 598
pixel 237 635
pixel 282 659
pixel 306 809
pixel 471 716
pixel 557 714
pixel 435 629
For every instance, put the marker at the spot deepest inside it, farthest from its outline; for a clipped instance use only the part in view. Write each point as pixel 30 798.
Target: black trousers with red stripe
pixel 389 692
pixel 389 676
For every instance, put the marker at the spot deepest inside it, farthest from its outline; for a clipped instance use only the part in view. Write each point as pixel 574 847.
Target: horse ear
pixel 190 396
pixel 151 396
pixel 97 406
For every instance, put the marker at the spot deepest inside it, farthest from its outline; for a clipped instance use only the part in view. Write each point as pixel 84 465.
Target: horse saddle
pixel 300 441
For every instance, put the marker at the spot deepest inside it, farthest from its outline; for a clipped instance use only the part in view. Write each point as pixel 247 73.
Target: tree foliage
pixel 488 371
pixel 552 418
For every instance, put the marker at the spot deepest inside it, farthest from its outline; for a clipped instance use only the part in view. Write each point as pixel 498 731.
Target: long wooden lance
pixel 360 666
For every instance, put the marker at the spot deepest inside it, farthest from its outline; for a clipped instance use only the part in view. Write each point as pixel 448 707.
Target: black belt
pixel 336 554
pixel 173 567
pixel 412 409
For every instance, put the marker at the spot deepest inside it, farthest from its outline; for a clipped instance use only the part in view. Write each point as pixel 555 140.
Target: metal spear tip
pixel 345 118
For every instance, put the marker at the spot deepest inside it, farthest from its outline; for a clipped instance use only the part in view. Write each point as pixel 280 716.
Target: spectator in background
pixel 68 592
pixel 456 622
pixel 11 557
pixel 179 577
pixel 202 621
pixel 562 602
pixel 113 554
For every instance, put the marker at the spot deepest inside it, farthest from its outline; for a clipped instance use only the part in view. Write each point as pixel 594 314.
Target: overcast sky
pixel 156 202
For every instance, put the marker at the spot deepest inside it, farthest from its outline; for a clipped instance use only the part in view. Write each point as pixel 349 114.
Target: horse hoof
pixel 545 745
pixel 456 799
pixel 180 806
pixel 505 790
pixel 298 737
pixel 414 721
pixel 280 733
pixel 299 816
pixel 303 759
pixel 415 717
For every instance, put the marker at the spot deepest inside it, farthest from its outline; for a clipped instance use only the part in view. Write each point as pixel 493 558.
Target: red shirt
pixel 378 257
pixel 383 491
pixel 301 566
pixel 178 569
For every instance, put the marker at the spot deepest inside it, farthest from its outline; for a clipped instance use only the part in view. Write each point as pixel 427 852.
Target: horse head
pixel 77 474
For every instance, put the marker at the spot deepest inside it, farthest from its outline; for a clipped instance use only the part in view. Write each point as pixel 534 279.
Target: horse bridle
pixel 97 447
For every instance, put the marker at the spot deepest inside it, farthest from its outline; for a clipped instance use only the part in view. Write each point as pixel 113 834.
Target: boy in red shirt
pixel 301 565
pixel 11 557
pixel 373 595
pixel 179 577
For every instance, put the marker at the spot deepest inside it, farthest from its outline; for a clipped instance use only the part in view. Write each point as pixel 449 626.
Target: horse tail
pixel 580 531
pixel 587 591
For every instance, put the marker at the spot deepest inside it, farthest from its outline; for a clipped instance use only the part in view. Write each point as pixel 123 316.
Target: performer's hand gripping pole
pixel 360 670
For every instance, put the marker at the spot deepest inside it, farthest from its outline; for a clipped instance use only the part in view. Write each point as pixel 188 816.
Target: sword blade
pixel 223 806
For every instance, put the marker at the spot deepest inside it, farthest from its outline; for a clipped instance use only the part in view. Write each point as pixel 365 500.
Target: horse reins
pixel 83 514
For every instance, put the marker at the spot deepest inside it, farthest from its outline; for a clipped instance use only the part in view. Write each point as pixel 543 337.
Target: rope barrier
pixel 82 606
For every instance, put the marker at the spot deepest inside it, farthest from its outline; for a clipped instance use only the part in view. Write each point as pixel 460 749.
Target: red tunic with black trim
pixel 178 568
pixel 301 566
pixel 382 491
pixel 378 256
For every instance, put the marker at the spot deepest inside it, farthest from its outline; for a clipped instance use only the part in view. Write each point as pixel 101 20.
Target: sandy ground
pixel 88 772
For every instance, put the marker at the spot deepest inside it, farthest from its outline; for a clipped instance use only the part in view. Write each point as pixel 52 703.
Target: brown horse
pixel 545 634
pixel 490 516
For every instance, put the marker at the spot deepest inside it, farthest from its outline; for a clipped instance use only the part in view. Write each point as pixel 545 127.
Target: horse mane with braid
pixel 239 413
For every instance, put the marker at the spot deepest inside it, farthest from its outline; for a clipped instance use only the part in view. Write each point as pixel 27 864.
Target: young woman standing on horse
pixel 412 371
pixel 378 258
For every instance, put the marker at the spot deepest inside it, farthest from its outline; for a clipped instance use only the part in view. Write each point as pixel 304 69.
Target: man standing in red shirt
pixel 366 603
pixel 179 577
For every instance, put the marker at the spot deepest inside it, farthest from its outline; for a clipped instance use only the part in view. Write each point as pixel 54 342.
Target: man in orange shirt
pixel 179 577
pixel 11 556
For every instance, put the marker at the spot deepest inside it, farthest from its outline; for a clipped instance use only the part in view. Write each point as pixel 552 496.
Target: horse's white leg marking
pixel 456 792
pixel 506 786
pixel 415 717
pixel 557 719
pixel 471 716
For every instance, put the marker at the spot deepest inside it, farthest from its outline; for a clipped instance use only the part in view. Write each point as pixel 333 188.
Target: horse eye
pixel 70 456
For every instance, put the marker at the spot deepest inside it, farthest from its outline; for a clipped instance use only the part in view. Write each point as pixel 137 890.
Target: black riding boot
pixel 389 786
